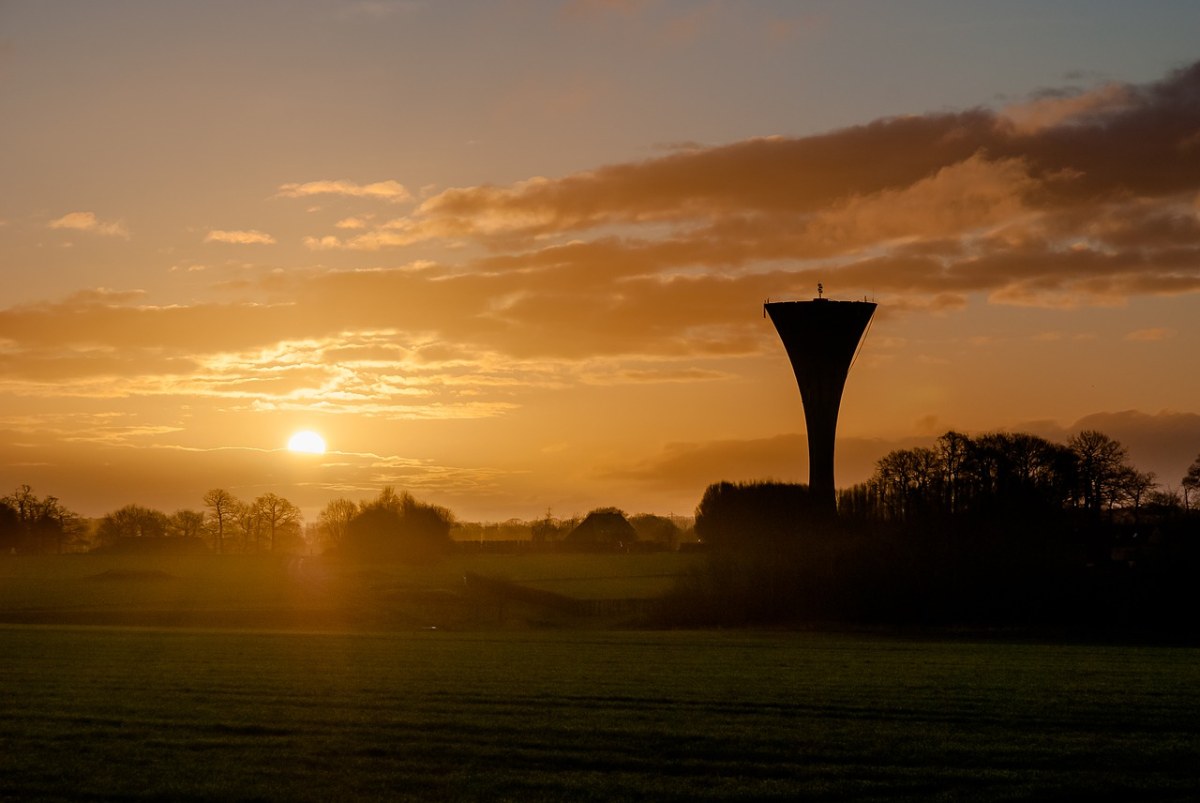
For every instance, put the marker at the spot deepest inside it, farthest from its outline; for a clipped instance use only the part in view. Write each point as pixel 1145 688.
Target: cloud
pixel 340 357
pixel 326 243
pixel 1165 442
pixel 664 262
pixel 1080 199
pixel 1151 335
pixel 251 237
pixel 126 458
pixel 664 257
pixel 1055 108
pixel 694 466
pixel 389 190
pixel 589 9
pixel 378 10
pixel 87 221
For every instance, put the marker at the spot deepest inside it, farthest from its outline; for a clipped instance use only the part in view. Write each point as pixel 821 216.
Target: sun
pixel 307 441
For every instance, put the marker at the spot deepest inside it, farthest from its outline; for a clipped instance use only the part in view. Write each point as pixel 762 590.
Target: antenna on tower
pixel 820 290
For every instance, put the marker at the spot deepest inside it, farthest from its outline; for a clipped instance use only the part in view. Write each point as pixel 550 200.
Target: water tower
pixel 821 337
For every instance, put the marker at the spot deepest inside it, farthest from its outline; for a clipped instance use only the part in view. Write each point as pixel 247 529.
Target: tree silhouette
pixel 278 516
pixel 1100 461
pixel 1002 528
pixel 222 509
pixel 999 477
pixel 335 521
pixel 656 529
pixel 602 529
pixel 185 524
pixel 1191 482
pixel 398 527
pixel 1136 487
pixel 32 524
pixel 754 516
pixel 544 529
pixel 249 524
pixel 131 521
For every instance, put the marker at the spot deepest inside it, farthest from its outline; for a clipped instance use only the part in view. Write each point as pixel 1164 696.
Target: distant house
pixel 604 530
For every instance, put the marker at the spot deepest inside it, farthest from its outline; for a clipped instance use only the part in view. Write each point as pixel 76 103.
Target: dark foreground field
pixel 128 713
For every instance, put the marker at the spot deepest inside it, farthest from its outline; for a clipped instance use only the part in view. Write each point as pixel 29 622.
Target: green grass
pixel 591 576
pixel 252 677
pixel 107 713
pixel 272 592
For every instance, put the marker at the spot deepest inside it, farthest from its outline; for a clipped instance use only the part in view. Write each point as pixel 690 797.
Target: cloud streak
pixel 392 191
pixel 251 237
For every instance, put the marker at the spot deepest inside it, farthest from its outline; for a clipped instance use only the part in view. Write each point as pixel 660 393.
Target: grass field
pixel 269 591
pixel 128 713
pixel 251 678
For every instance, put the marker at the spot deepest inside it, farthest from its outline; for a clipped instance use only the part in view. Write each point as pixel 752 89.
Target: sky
pixel 511 256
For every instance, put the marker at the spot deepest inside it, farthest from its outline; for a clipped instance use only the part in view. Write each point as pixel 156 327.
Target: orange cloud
pixel 1086 200
pixel 251 237
pixel 1088 205
pixel 660 265
pixel 392 191
pixel 87 221
pixel 691 467
pixel 1151 335
pixel 959 199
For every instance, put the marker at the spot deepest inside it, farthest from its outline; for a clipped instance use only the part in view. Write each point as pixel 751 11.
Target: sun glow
pixel 307 441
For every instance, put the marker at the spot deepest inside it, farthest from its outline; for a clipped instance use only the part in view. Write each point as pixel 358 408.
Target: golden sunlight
pixel 307 441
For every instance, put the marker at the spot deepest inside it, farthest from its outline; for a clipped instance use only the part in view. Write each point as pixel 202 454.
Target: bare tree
pixel 186 524
pixel 1191 482
pixel 904 478
pixel 40 524
pixel 63 526
pixel 132 521
pixel 249 523
pixel 222 508
pixel 954 453
pixel 24 502
pixel 277 515
pixel 1136 486
pixel 1101 467
pixel 335 519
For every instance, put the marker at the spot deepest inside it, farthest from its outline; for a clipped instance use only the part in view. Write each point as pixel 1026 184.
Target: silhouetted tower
pixel 821 338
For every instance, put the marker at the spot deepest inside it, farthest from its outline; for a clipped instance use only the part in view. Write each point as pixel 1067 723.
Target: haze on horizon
pixel 511 257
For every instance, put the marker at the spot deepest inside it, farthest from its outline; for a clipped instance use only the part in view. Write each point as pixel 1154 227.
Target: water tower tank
pixel 821 337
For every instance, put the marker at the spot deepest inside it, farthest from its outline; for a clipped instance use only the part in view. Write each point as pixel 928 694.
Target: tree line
pixel 30 524
pixel 1000 475
pixel 998 529
pixel 392 525
pixel 226 524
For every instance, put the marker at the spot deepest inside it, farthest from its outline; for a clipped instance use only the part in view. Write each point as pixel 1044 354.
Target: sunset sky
pixel 511 256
